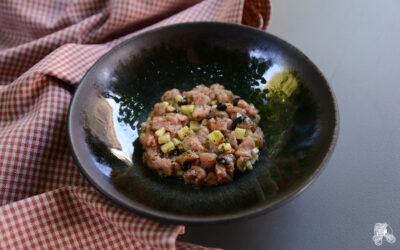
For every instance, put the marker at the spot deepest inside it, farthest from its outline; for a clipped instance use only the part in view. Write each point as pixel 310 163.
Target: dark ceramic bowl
pixel 119 91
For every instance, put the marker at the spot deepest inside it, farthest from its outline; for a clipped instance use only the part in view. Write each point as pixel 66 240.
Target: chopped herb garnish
pixel 237 121
pixel 221 107
pixel 235 102
pixel 174 152
pixel 186 165
pixel 222 160
pixel 184 102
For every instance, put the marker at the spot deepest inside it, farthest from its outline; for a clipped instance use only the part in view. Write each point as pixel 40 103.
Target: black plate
pixel 119 91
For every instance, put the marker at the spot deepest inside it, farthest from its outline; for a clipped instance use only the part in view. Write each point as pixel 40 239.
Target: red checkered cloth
pixel 45 48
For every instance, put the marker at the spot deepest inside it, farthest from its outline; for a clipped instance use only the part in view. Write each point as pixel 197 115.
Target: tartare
pixel 204 135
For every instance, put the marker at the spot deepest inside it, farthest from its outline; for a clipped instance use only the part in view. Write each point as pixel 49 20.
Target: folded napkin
pixel 45 49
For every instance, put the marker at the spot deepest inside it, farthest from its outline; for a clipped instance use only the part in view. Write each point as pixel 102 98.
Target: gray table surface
pixel 356 44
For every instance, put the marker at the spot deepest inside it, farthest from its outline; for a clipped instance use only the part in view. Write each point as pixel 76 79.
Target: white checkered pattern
pixel 45 49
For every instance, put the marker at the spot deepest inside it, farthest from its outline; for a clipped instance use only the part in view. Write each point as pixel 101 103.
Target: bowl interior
pixel 119 91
